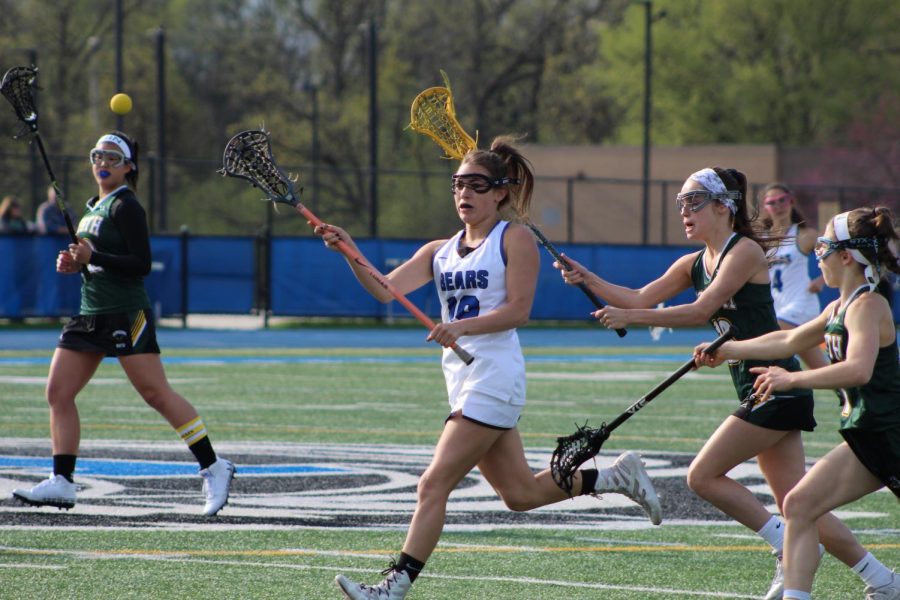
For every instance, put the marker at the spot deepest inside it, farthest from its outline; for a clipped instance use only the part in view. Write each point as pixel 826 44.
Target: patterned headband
pixel 710 180
pixel 842 233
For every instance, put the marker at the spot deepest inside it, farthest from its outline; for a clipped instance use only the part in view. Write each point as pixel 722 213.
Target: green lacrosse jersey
pixel 116 228
pixel 874 405
pixel 752 312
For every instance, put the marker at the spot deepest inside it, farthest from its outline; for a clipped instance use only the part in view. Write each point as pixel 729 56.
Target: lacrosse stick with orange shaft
pixel 248 155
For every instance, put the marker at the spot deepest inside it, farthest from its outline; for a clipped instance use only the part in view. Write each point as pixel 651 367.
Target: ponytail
pixel 505 160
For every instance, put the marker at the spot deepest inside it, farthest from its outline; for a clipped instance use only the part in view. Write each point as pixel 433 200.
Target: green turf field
pixel 286 536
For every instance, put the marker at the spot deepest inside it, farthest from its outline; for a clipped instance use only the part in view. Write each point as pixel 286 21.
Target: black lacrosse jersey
pixel 116 228
pixel 752 312
pixel 874 405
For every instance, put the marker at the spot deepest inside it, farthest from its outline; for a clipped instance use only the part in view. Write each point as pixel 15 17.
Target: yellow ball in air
pixel 120 104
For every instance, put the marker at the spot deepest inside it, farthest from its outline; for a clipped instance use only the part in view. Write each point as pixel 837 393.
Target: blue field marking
pixel 93 467
pixel 277 360
pixel 589 336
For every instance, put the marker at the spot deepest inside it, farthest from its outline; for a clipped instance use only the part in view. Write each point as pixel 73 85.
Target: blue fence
pixel 295 276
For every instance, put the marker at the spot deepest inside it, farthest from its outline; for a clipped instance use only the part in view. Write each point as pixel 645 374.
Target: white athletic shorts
pixel 798 313
pixel 488 410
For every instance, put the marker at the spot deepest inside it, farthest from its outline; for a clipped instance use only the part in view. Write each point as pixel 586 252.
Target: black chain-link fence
pixel 410 204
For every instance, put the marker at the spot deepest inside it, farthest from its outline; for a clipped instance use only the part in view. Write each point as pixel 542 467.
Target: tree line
pixel 815 73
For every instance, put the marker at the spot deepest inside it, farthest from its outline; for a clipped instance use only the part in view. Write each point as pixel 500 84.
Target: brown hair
pixel 744 223
pixel 505 160
pixel 878 223
pixel 796 214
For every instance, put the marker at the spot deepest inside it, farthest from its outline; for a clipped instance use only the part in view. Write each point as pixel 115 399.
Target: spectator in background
pixel 49 218
pixel 11 218
pixel 793 290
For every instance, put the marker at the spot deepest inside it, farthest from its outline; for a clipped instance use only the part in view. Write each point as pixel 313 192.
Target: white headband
pixel 114 139
pixel 713 183
pixel 842 233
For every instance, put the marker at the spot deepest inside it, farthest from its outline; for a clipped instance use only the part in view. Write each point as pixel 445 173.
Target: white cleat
pixel 890 591
pixel 217 485
pixel 627 476
pixel 394 587
pixel 776 588
pixel 56 491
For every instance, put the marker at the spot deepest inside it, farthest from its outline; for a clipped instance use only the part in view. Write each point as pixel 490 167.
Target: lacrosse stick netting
pixel 16 87
pixel 432 113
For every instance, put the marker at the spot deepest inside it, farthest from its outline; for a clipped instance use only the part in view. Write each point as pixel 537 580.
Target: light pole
pixel 161 178
pixel 648 66
pixel 312 89
pixel 93 44
pixel 373 128
pixel 648 109
pixel 120 120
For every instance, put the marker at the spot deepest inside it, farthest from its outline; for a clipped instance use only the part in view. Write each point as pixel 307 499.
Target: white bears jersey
pixel 468 286
pixel 789 278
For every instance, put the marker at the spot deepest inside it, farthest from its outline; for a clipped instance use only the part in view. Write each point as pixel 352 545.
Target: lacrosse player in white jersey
pixel 793 290
pixel 486 277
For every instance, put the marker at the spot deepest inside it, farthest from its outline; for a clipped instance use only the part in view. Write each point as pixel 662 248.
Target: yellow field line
pixel 465 550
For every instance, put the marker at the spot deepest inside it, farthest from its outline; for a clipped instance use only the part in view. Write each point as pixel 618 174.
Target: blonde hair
pixel 7 204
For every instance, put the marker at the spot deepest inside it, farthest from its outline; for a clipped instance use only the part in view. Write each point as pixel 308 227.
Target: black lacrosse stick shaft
pixel 16 87
pixel 60 202
pixel 568 267
pixel 573 450
pixel 661 387
pixel 59 197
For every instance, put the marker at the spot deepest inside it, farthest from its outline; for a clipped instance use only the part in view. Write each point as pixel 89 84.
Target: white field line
pixel 31 566
pixel 175 557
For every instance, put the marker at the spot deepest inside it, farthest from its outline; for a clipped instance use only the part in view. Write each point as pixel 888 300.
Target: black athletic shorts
pixel 116 334
pixel 782 413
pixel 879 452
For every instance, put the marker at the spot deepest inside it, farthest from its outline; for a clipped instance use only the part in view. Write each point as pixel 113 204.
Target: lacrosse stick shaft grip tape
pixel 383 282
pixel 565 264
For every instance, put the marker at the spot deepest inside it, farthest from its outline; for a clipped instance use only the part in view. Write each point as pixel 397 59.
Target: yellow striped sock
pixel 193 431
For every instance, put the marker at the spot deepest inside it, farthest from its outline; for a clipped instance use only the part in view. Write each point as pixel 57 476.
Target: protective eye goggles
pixel 478 183
pixel 825 247
pixel 112 158
pixel 776 200
pixel 694 201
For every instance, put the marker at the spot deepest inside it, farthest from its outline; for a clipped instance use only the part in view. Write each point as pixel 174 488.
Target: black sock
pixel 203 452
pixel 411 565
pixel 588 481
pixel 64 464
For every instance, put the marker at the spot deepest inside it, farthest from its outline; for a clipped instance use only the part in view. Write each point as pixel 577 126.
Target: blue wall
pixel 224 273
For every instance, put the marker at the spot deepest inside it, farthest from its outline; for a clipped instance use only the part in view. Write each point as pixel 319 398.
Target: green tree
pixel 753 71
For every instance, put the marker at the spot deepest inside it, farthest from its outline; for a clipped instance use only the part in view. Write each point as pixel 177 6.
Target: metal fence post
pixel 185 235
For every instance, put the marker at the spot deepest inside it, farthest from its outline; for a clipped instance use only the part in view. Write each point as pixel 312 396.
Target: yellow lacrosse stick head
pixel 432 113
